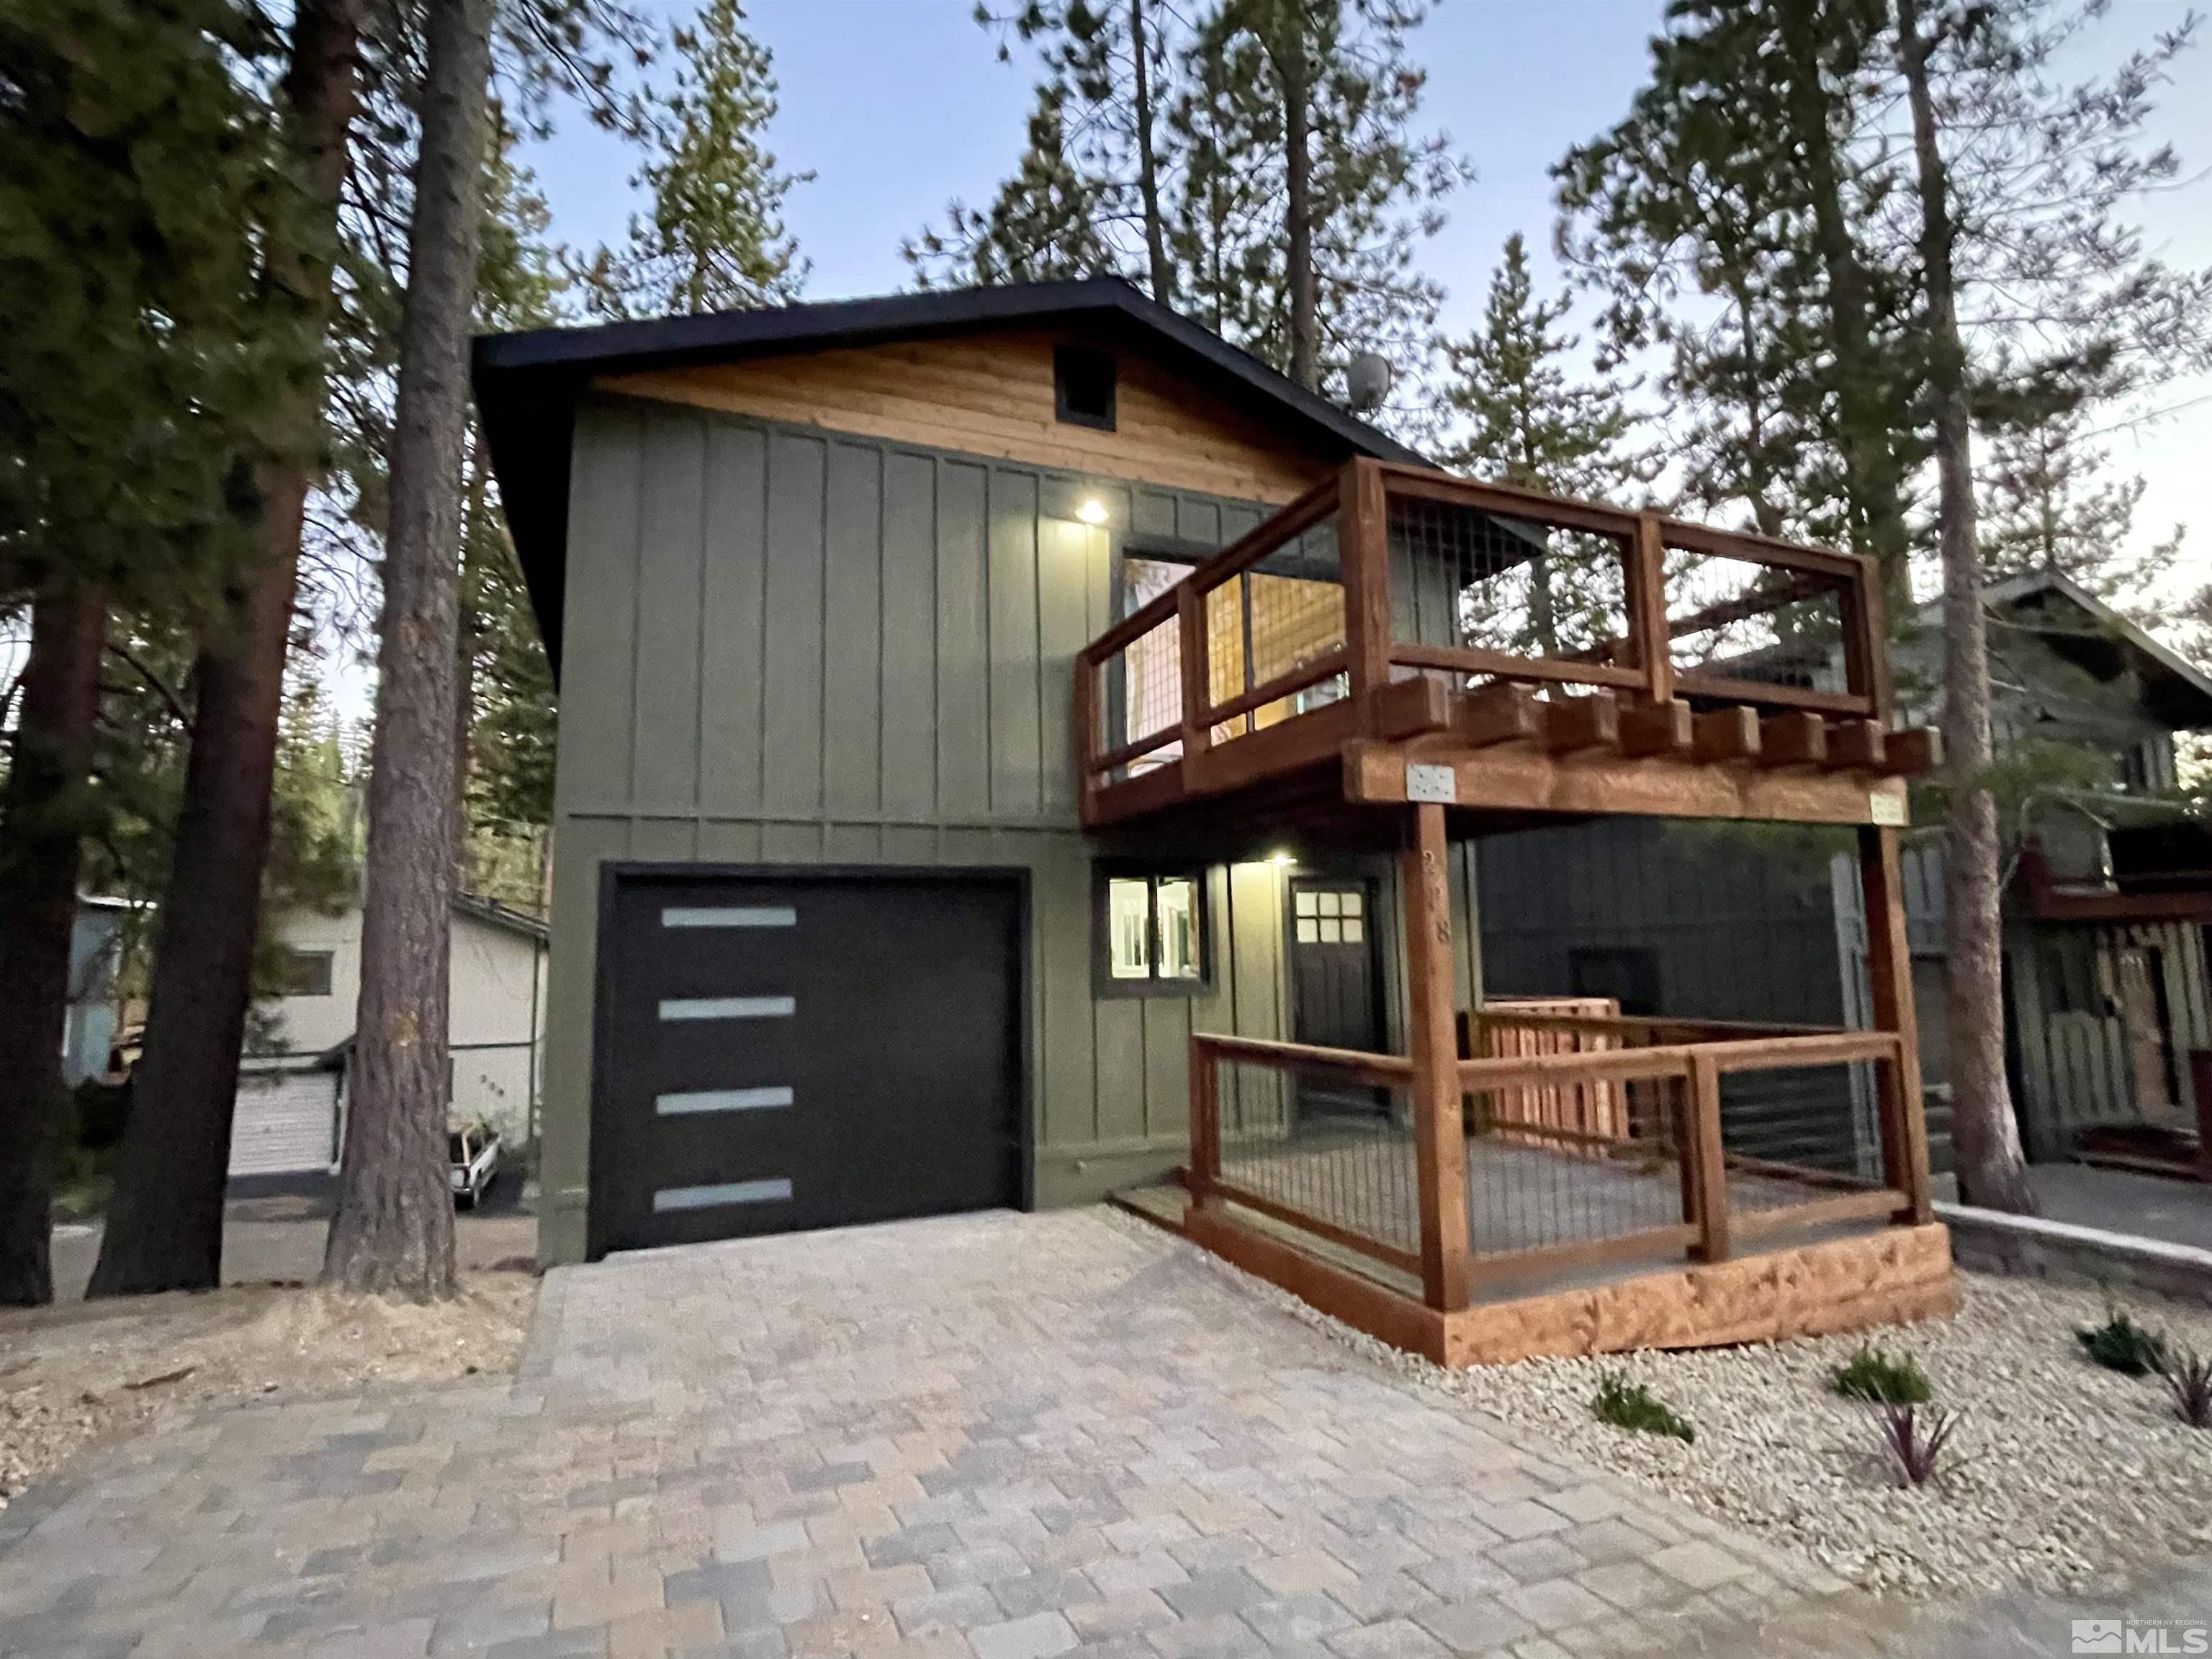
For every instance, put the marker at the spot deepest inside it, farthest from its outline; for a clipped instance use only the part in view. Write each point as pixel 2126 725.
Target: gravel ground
pixel 2065 1473
pixel 75 1374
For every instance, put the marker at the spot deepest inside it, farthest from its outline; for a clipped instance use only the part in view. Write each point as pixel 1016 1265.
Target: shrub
pixel 2189 1375
pixel 2121 1345
pixel 1873 1375
pixel 1915 1444
pixel 1627 1404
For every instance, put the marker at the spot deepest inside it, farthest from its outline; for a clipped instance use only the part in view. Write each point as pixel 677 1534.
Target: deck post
pixel 1889 975
pixel 1708 1155
pixel 1204 1127
pixel 1196 689
pixel 1647 615
pixel 1439 1133
pixel 1362 551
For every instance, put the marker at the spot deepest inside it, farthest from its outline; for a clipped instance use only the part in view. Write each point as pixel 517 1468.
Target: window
pixel 305 974
pixel 1326 917
pixel 1083 386
pixel 1153 931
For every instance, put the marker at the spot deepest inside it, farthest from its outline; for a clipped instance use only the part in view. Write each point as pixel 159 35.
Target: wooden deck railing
pixel 1307 630
pixel 1327 1144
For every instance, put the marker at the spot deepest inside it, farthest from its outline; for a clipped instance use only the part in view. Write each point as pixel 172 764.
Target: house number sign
pixel 1888 811
pixel 1439 784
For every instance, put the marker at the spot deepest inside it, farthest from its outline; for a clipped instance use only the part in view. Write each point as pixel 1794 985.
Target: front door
pixel 1334 1000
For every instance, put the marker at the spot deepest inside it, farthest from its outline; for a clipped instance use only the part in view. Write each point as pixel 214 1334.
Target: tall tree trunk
pixel 1148 170
pixel 1984 1134
pixel 165 1221
pixel 1872 486
pixel 394 1226
pixel 1285 45
pixel 41 832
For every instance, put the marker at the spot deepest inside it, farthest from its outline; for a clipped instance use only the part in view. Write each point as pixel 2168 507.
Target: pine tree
pixel 2052 502
pixel 393 1226
pixel 1526 420
pixel 1312 106
pixel 1521 419
pixel 135 172
pixel 714 237
pixel 1090 194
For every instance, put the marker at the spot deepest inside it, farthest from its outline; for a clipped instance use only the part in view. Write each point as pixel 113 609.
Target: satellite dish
pixel 1367 382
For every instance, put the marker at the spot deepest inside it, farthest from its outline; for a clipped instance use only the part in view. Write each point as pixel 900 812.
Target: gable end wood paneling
pixel 992 395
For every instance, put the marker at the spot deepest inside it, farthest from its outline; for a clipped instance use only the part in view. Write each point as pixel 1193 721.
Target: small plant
pixel 2189 1375
pixel 1915 1442
pixel 1627 1404
pixel 2121 1345
pixel 1873 1375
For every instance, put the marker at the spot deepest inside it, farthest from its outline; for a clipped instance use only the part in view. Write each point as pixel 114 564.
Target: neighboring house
pixel 2106 984
pixel 292 1088
pixel 813 580
pixel 95 944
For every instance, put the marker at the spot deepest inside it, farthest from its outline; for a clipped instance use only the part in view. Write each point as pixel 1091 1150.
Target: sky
pixel 897 105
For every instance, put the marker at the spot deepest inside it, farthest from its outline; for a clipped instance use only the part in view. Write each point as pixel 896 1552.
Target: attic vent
pixel 1083 386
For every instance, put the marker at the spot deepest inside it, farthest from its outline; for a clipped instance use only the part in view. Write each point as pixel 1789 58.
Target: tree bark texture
pixel 41 826
pixel 1287 49
pixel 1984 1134
pixel 394 1230
pixel 1871 479
pixel 1148 172
pixel 165 1221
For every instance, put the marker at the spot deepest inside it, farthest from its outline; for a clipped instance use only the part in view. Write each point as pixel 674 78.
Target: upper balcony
pixel 1521 653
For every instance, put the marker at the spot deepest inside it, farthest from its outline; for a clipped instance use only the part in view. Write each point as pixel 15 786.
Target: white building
pixel 292 1088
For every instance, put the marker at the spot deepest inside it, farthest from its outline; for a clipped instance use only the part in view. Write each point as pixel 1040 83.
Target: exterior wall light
pixel 1092 510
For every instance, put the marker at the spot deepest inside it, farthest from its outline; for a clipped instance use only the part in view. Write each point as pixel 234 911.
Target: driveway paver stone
pixel 989 1437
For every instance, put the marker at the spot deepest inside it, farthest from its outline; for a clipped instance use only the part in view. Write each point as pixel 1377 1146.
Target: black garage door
pixel 782 1052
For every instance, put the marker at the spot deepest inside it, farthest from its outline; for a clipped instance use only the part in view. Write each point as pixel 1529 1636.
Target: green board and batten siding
pixel 788 647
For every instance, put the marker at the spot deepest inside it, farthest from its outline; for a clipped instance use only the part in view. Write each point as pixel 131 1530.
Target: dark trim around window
pixel 1103 980
pixel 1083 386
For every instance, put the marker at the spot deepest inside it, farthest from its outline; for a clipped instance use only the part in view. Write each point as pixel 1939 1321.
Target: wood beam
pixel 1574 724
pixel 1889 973
pixel 1794 738
pixel 1501 713
pixel 1506 780
pixel 1857 744
pixel 1725 734
pixel 1655 728
pixel 1439 1134
pixel 1913 754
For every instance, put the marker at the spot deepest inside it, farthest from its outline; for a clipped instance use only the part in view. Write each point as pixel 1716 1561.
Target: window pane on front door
pixel 1128 922
pixel 1179 952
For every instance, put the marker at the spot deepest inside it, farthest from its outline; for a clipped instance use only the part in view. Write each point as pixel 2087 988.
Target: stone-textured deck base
pixel 1894 1275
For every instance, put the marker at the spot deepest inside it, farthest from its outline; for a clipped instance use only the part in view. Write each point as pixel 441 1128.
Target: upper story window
pixel 305 974
pixel 1083 386
pixel 1153 931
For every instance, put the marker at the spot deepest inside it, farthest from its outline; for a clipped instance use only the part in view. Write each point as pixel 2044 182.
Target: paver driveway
pixel 992 1437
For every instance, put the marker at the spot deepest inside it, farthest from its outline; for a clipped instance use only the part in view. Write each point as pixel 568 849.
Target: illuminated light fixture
pixel 1284 860
pixel 1092 510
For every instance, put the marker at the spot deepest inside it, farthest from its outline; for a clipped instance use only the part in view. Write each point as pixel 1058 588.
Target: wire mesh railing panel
pixel 1534 1185
pixel 1793 1134
pixel 1461 576
pixel 1742 620
pixel 1140 686
pixel 1323 1147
